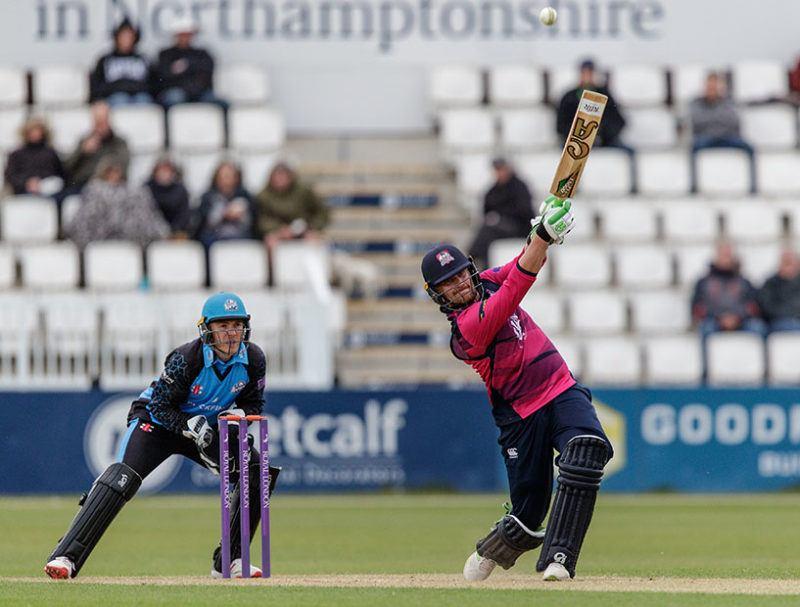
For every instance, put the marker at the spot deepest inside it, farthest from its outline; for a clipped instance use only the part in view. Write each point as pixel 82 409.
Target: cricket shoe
pixel 60 568
pixel 236 570
pixel 477 568
pixel 555 572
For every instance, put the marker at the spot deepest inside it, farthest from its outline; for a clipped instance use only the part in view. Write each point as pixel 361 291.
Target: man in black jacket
pixel 507 211
pixel 123 75
pixel 780 295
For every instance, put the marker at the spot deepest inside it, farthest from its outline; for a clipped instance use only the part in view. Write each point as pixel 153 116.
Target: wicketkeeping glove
pixel 200 431
pixel 555 222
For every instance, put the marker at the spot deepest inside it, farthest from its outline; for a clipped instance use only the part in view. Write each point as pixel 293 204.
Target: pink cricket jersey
pixel 520 366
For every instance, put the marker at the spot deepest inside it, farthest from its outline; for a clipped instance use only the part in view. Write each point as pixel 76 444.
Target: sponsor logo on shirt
pixel 197 389
pixel 517 326
pixel 238 387
pixel 146 427
pixel 444 258
pixel 512 453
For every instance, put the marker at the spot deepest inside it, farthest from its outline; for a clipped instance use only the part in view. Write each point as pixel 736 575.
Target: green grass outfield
pixel 633 543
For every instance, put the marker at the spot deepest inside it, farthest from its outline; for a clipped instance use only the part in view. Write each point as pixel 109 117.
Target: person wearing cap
pixel 122 76
pixel 221 371
pixel 185 73
pixel 507 210
pixel 536 403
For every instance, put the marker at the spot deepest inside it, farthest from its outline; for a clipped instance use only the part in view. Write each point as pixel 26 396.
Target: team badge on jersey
pixel 146 427
pixel 197 389
pixel 238 387
pixel 231 306
pixel 444 257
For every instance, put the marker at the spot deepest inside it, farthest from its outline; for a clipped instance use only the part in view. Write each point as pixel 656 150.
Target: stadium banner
pixel 664 440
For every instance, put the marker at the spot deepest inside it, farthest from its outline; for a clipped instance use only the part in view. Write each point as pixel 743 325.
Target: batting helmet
pixel 442 262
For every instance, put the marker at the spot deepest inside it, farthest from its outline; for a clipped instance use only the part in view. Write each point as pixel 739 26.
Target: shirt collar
pixel 209 357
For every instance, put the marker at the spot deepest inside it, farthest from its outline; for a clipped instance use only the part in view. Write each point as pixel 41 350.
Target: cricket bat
pixel 579 143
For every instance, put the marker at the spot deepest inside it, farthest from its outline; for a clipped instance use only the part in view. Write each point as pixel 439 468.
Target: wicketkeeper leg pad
pixel 507 540
pixel 580 466
pixel 109 493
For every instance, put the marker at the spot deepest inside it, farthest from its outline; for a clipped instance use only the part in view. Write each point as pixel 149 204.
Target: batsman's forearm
pixel 534 256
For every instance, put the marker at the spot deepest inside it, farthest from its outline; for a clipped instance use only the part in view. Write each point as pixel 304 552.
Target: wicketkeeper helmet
pixel 223 306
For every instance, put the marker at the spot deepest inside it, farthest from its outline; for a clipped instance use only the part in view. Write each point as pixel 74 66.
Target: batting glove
pixel 555 222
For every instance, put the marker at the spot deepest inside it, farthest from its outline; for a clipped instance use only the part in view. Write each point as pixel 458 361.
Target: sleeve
pixel 266 219
pixel 318 212
pixel 201 214
pixel 251 398
pixel 751 303
pixel 14 177
pixel 97 82
pixel 613 121
pixel 161 74
pixel 766 298
pixel 699 307
pixel 522 202
pixel 479 323
pixel 183 218
pixel 170 391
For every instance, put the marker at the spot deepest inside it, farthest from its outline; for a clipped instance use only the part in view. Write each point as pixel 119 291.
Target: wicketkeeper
pixel 221 371
pixel 536 402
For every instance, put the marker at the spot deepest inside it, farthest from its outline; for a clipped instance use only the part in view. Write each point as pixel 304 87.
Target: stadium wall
pixel 697 440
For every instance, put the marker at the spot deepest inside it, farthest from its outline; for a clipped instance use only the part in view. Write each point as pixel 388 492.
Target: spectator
pixel 780 295
pixel 715 124
pixel 123 75
pixel 185 73
pixel 724 300
pixel 226 210
pixel 34 167
pixel 100 143
pixel 171 197
pixel 288 208
pixel 111 211
pixel 507 211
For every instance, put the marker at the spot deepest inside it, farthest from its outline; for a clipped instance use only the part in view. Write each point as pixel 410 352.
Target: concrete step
pixel 361 378
pixel 408 216
pixel 393 233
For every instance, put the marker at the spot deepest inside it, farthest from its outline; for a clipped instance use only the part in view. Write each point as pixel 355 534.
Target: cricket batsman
pixel 219 372
pixel 536 402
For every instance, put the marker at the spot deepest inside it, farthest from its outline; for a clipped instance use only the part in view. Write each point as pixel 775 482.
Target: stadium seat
pixel 571 351
pixel 60 85
pixel 759 81
pixel 271 320
pixel 54 266
pixel 561 79
pixel 8 272
pixel 770 127
pixel 474 173
pixel 242 84
pixel 467 129
pixel 689 222
pixel 176 265
pixel 141 126
pixel 663 173
pixel 13 87
pixel 759 261
pixel 783 352
pixel 20 312
pixel 735 358
pixel 723 172
pixel 68 126
pixel 26 219
pixel 650 128
pixel 300 265
pixel 511 85
pixel 628 221
pixel 455 86
pixel 113 265
pixel 503 250
pixel 527 128
pixel 537 169
pixel 673 360
pixel 256 167
pixel 582 266
pixel 693 262
pixel 237 264
pixel 661 311
pixel 546 308
pixel 11 121
pixel 643 266
pixel 181 311
pixel 198 170
pixel 778 173
pixel 256 129
pixel 754 221
pixel 687 82
pixel 639 85
pixel 195 127
pixel 140 167
pixel 613 361
pixel 597 312
pixel 70 206
pixel 608 174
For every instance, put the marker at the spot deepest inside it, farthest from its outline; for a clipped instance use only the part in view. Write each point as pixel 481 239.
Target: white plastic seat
pixel 256 167
pixel 256 129
pixel 778 173
pixel 302 266
pixel 113 265
pixel 13 87
pixel 237 264
pixel 11 120
pixel 538 170
pixel 474 173
pixel 561 79
pixel 783 352
pixel 735 358
pixel 467 129
pixel 68 126
pixel 21 313
pixel 176 265
pixel 503 250
pixel 142 127
pixel 60 85
pixel 54 266
pixel 180 313
pixel 455 85
pixel 198 170
pixel 546 308
pixel 140 168
pixel 692 262
pixel 650 128
pixel 613 361
pixel 516 85
pixel 639 85
pixel 661 311
pixel 628 221
pixel 689 222
pixel 688 81
pixel 195 127
pixel 643 266
pixel 582 266
pixel 663 173
pixel 242 84
pixel 759 81
pixel 571 351
pixel 28 219
pixel 723 172
pixel 597 312
pixel 608 173
pixel 528 128
pixel 7 267
pixel 756 221
pixel 673 360
pixel 770 127
pixel 759 261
